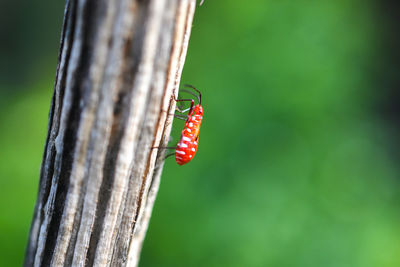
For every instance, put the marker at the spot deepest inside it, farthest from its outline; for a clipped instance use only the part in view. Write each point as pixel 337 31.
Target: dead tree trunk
pixel 120 62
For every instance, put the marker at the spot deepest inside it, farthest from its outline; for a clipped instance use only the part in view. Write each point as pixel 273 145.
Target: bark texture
pixel 120 62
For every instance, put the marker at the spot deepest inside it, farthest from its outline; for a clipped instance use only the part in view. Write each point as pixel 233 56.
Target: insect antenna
pixel 194 88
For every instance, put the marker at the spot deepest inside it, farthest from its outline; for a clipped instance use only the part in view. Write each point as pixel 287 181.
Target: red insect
pixel 187 145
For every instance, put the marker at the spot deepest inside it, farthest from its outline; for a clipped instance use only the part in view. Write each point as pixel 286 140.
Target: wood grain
pixel 120 62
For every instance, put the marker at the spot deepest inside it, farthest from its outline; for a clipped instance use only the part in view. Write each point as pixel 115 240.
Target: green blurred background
pixel 299 148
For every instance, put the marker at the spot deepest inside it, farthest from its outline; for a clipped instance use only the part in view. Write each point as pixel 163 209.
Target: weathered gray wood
pixel 120 62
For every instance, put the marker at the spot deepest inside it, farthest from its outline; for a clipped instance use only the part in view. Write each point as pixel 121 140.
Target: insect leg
pixel 182 100
pixel 164 147
pixel 183 111
pixel 191 105
pixel 181 117
pixel 169 155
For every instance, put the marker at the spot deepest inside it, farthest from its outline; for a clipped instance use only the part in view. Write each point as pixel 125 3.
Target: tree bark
pixel 120 63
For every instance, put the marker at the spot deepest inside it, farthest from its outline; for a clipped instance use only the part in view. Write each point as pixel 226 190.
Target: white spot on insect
pixel 180 152
pixel 189 130
pixel 193 149
pixel 195 143
pixel 190 156
pixel 186 139
pixel 184 145
pixel 191 124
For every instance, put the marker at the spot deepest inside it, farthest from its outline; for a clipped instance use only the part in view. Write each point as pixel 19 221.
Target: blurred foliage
pixel 296 166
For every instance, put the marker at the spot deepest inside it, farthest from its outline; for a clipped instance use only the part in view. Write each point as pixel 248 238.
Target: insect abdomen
pixel 185 150
pixel 187 146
